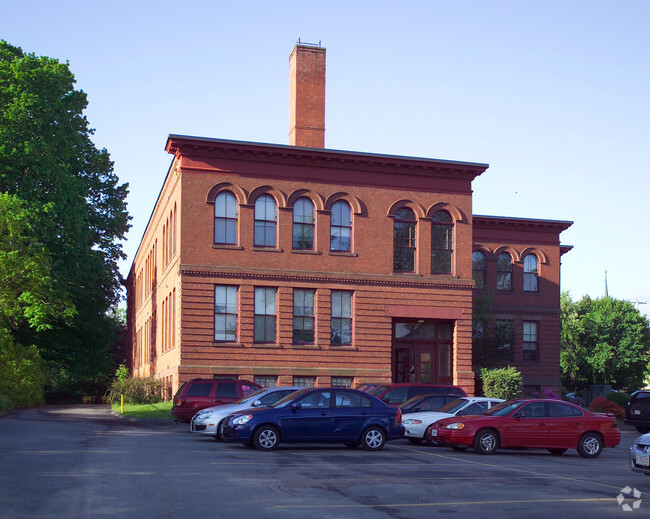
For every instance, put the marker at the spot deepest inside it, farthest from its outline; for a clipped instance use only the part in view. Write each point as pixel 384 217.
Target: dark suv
pixel 200 393
pixel 396 393
pixel 637 411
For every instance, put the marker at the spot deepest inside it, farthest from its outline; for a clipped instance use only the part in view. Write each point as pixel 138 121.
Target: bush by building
pixel 601 404
pixel 501 382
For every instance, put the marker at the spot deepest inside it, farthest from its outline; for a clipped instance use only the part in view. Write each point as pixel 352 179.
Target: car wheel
pixel 590 445
pixel 219 434
pixel 486 441
pixel 427 436
pixel 557 452
pixel 266 438
pixel 373 439
pixel 643 429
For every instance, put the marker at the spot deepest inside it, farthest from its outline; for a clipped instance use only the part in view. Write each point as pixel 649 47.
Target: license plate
pixel 434 432
pixel 636 411
pixel 643 460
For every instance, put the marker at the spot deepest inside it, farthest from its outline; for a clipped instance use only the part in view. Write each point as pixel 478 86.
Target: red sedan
pixel 543 424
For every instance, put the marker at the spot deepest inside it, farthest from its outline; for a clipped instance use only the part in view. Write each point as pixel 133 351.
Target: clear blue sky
pixel 553 94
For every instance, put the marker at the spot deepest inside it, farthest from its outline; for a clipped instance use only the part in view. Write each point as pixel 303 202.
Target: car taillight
pixel 399 416
pixel 179 402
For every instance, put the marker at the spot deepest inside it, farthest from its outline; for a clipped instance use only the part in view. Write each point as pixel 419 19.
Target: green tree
pixel 604 341
pixel 78 211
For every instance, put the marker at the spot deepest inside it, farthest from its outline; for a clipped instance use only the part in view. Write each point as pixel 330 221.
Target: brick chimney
pixel 307 96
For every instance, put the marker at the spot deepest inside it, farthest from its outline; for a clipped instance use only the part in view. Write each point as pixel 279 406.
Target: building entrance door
pixel 422 351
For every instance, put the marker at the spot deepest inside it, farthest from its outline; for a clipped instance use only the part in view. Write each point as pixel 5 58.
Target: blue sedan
pixel 319 415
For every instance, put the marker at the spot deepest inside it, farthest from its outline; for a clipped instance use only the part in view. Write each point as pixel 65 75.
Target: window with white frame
pixel 303 316
pixel 265 314
pixel 225 219
pixel 341 227
pixel 341 322
pixel 265 221
pixel 530 273
pixel 530 342
pixel 303 224
pixel 302 381
pixel 225 313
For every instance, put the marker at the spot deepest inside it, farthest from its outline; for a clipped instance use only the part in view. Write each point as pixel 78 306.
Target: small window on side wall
pixel 530 273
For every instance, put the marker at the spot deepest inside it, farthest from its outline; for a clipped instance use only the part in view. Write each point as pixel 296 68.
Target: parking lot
pixel 83 462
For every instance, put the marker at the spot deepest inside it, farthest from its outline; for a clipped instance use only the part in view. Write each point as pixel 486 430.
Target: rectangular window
pixel 265 314
pixel 225 313
pixel 304 381
pixel 504 332
pixel 303 316
pixel 266 380
pixel 341 317
pixel 342 381
pixel 531 353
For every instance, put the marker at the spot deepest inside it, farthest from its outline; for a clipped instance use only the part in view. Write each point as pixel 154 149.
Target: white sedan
pixel 207 420
pixel 417 423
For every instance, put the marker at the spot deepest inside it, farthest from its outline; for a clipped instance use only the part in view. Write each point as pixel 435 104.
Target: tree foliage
pixel 604 341
pixel 68 211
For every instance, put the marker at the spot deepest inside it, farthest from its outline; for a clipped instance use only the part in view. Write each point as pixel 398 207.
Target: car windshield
pixel 290 398
pixel 503 409
pixel 251 396
pixel 453 406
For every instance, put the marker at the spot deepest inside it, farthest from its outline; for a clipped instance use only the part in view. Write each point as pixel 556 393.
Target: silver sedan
pixel 640 455
pixel 417 423
pixel 207 420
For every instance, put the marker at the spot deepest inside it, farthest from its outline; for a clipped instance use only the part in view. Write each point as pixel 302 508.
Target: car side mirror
pixel 520 414
pixel 295 407
pixel 257 403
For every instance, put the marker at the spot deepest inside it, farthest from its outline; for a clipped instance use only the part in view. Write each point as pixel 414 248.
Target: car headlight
pixel 457 425
pixel 411 421
pixel 241 420
pixel 203 416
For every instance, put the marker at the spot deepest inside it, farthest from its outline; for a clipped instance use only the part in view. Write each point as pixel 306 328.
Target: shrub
pixel 21 374
pixel 135 391
pixel 501 382
pixel 547 393
pixel 600 404
pixel 620 397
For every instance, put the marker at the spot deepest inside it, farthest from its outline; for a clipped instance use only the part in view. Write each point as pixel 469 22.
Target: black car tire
pixel 427 436
pixel 373 439
pixel 219 434
pixel 266 438
pixel 590 445
pixel 486 441
pixel 557 452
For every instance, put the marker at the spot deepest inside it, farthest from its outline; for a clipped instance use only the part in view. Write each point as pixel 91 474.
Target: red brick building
pixel 302 265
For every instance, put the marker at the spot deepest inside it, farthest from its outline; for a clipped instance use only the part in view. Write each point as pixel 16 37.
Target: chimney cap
pixel 305 44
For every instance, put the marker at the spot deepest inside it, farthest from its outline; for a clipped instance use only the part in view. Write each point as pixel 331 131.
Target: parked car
pixel 207 421
pixel 640 455
pixel 328 415
pixel 200 393
pixel 637 410
pixel 366 386
pixel 540 423
pixel 396 393
pixel 416 424
pixel 422 403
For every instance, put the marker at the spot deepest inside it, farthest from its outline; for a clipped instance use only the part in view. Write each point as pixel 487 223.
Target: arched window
pixel 504 271
pixel 265 221
pixel 442 243
pixel 341 227
pixel 303 224
pixel 404 240
pixel 530 273
pixel 225 219
pixel 478 269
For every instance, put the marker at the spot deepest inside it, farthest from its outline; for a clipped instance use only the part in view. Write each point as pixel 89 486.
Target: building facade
pixel 295 264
